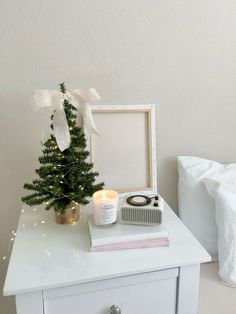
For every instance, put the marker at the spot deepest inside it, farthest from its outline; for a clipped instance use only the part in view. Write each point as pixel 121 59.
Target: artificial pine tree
pixel 63 176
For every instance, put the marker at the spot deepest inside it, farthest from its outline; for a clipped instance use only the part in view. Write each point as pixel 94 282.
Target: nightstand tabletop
pixel 46 255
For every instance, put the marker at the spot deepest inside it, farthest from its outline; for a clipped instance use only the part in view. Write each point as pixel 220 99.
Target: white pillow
pixel 224 195
pixel 196 207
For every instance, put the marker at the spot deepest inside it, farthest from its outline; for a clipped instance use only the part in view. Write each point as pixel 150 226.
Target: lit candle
pixel 105 204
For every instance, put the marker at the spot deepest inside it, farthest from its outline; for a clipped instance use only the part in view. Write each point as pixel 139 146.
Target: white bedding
pixel 207 205
pixel 224 194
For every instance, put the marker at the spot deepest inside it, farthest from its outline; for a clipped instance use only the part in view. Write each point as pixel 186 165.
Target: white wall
pixel 179 54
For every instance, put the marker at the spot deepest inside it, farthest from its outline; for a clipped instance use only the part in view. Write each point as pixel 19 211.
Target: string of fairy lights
pixel 13 235
pixel 62 181
pixel 62 176
pixel 35 224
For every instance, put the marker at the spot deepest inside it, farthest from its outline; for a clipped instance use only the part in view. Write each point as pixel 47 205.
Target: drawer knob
pixel 115 310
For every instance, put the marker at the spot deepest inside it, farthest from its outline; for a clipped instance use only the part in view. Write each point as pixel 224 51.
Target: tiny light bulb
pixel 42 222
pixel 4 257
pixel 34 209
pixel 22 210
pixel 12 239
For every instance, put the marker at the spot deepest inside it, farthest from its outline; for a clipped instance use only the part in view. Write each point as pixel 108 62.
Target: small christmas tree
pixel 64 176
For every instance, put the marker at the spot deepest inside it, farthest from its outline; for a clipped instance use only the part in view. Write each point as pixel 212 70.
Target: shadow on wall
pixel 167 180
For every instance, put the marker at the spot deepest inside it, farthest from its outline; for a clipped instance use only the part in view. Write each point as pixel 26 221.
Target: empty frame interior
pixel 122 152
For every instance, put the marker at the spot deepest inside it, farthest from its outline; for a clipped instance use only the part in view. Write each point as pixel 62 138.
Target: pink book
pixel 159 242
pixel 123 236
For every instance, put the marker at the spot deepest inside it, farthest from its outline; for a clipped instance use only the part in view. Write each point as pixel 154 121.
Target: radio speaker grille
pixel 139 215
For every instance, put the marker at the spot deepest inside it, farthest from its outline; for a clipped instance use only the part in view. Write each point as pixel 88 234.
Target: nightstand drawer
pixel 153 292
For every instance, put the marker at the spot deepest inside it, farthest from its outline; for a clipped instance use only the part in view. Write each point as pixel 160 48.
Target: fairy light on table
pixel 13 236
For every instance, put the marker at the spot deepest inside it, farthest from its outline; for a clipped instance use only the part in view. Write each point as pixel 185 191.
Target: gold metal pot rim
pixel 70 215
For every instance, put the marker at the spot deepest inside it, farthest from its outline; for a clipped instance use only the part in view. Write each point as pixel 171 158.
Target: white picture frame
pixel 124 153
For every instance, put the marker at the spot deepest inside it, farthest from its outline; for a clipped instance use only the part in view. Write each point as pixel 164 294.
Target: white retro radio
pixel 142 210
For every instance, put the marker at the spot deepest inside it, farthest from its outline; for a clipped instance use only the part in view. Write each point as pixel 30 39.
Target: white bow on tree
pixel 79 98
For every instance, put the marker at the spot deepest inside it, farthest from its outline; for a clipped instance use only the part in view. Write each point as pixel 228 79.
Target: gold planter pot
pixel 71 214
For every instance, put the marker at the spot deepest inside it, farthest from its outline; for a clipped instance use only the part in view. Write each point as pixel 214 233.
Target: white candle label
pixel 105 205
pixel 108 214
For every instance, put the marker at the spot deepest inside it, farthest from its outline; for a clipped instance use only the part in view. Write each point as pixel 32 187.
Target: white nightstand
pixel 51 271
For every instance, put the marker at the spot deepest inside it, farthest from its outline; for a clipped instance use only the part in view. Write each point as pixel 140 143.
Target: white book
pixel 123 233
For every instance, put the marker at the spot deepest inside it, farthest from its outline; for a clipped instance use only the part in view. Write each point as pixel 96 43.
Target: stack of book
pixel 122 236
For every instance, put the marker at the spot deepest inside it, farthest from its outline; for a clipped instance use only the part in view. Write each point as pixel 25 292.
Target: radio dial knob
pixel 115 310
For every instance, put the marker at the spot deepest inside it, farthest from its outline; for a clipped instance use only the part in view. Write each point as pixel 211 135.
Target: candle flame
pixel 103 195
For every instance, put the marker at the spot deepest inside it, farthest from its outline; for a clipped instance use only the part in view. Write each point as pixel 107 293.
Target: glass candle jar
pixel 105 207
